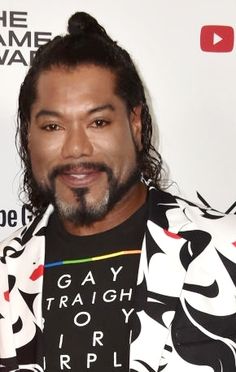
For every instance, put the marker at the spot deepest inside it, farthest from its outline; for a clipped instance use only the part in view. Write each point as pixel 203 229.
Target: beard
pixel 81 212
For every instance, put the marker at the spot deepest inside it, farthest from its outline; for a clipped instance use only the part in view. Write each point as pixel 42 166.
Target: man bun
pixel 83 24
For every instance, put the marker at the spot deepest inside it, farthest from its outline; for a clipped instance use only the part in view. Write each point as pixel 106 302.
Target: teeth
pixel 79 176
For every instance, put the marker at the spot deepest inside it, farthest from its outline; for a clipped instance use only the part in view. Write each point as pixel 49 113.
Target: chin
pixel 83 211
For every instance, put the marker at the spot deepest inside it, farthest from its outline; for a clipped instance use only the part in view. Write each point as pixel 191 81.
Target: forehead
pixel 82 80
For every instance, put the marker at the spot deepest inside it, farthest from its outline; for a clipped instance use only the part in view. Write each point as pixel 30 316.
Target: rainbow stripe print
pixel 91 259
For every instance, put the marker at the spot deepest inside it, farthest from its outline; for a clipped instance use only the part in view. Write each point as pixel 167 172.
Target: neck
pixel 128 205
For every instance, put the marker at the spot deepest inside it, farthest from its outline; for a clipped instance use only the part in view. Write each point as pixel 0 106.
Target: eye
pixel 100 123
pixel 51 127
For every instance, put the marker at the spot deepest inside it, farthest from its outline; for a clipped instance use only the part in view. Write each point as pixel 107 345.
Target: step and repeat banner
pixel 185 51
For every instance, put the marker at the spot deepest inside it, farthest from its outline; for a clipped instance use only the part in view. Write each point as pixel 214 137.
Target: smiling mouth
pixel 80 178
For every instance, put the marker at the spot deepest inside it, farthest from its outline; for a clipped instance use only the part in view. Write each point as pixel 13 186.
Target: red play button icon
pixel 219 39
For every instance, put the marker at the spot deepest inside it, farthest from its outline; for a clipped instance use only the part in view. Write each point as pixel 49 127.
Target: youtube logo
pixel 218 39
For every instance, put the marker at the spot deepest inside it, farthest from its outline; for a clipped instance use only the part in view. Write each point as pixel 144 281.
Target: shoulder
pixel 186 218
pixel 169 211
pixel 25 233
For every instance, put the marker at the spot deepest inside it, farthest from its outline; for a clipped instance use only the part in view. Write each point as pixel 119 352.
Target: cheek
pixel 42 156
pixel 120 153
pixel 39 165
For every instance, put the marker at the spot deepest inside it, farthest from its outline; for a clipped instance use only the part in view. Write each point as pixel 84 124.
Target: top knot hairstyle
pixel 86 43
pixel 82 23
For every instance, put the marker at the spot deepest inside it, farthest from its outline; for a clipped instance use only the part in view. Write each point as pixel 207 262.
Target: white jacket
pixel 185 299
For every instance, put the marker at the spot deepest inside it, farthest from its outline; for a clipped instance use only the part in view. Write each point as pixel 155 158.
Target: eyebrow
pixel 45 112
pixel 107 106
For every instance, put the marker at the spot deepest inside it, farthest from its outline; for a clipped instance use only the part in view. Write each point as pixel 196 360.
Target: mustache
pixel 96 166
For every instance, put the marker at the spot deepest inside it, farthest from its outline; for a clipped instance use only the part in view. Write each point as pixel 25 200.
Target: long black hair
pixel 85 43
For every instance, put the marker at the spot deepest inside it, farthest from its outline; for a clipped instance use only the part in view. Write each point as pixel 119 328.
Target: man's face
pixel 83 144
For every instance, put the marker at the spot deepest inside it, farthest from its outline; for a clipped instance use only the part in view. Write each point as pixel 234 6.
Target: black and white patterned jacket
pixel 185 300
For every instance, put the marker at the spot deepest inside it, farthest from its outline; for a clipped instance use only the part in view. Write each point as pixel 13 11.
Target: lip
pixel 82 178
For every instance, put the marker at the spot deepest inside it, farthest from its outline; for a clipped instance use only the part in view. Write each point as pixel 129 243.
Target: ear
pixel 136 125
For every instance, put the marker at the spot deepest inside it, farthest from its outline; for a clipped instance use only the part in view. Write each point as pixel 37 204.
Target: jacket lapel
pixel 160 281
pixel 22 265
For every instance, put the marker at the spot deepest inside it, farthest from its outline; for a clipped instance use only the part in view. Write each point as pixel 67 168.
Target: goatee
pixel 82 213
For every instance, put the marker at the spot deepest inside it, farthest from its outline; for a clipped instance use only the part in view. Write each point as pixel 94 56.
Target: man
pixel 113 274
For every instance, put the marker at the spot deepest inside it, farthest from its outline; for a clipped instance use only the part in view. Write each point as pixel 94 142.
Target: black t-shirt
pixel 88 289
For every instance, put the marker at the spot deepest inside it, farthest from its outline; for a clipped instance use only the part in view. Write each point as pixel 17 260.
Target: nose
pixel 76 143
